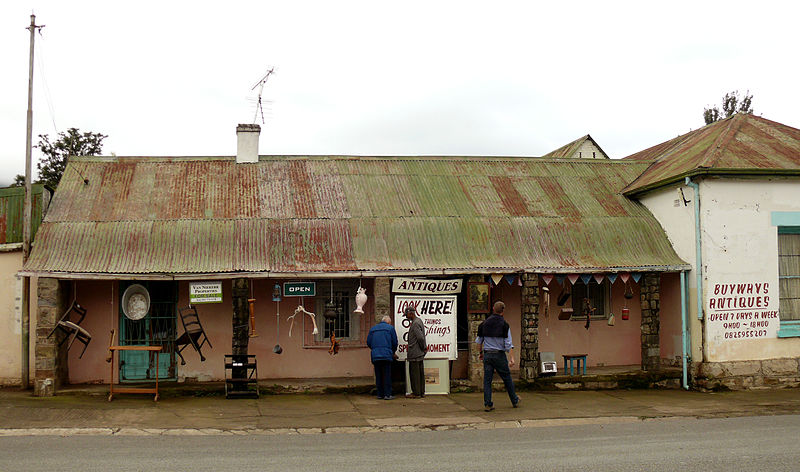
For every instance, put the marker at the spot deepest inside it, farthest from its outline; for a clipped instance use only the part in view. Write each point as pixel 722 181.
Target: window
pixel 595 293
pixel 789 280
pixel 347 324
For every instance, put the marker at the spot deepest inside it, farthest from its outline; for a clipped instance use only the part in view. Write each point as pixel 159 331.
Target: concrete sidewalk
pixel 88 411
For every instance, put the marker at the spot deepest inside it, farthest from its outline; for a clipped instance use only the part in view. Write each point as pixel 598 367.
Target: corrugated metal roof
pixel 298 215
pixel 12 205
pixel 741 144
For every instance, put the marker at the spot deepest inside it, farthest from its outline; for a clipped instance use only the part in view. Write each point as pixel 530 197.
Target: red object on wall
pixel 625 313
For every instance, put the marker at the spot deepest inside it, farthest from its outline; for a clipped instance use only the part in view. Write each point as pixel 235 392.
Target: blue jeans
pixel 497 361
pixel 383 378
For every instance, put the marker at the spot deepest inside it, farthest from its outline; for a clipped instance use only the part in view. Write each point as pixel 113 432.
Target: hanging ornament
pixel 276 293
pixel 361 299
pixel 573 278
pixel 519 281
pixel 251 302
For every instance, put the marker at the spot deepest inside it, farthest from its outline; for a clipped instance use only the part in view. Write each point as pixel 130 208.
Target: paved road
pixel 764 443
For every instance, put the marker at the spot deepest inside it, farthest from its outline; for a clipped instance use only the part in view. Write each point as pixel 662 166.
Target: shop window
pixel 596 295
pixel 347 325
pixel 789 280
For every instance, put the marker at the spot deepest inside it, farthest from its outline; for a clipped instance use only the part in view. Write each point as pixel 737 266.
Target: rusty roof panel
pixel 741 144
pixel 12 205
pixel 311 214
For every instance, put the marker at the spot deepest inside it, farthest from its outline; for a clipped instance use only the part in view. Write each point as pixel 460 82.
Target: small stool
pixel 580 358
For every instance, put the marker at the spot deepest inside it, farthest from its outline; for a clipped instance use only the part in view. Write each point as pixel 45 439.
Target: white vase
pixel 361 299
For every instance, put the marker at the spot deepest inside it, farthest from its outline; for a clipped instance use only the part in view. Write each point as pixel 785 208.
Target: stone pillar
pixel 383 298
pixel 50 362
pixel 649 295
pixel 474 363
pixel 529 344
pixel 241 323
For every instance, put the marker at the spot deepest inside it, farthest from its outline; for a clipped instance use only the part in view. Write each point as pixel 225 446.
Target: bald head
pixel 498 308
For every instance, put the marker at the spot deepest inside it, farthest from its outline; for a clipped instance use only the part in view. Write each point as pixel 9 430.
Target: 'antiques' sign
pixel 205 292
pixel 438 314
pixel 742 311
pixel 299 289
pixel 426 286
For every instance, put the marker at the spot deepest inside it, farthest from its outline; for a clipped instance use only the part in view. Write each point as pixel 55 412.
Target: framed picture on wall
pixel 478 297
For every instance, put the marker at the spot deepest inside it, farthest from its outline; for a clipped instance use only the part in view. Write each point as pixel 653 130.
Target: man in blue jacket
pixel 382 340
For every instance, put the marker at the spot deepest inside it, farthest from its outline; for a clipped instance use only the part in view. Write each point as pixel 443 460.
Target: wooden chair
pixel 72 329
pixel 193 334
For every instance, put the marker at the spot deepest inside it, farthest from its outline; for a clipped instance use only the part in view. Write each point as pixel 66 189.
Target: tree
pixel 731 104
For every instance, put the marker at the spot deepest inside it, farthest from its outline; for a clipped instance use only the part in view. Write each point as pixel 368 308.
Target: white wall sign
pixel 438 313
pixel 742 311
pixel 426 286
pixel 205 292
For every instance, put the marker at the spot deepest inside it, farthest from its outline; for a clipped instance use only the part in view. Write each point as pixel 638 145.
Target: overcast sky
pixel 501 78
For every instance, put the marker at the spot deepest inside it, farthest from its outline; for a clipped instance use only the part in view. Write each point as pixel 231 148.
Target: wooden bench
pixel 580 358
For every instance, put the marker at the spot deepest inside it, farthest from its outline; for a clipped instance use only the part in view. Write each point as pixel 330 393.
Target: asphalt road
pixel 763 443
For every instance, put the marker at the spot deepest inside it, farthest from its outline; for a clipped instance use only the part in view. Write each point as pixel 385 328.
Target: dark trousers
pixel 497 361
pixel 416 372
pixel 383 378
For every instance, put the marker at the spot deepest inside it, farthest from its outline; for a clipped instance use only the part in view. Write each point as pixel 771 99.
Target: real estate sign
pixel 205 292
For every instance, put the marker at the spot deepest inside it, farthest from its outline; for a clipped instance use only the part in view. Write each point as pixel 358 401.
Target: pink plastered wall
pixel 511 295
pixel 296 361
pixel 670 316
pixel 603 344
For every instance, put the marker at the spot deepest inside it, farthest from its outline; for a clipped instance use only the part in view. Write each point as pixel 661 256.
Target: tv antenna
pixel 260 84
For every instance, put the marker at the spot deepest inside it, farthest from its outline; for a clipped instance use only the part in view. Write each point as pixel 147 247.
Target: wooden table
pixel 112 390
pixel 579 358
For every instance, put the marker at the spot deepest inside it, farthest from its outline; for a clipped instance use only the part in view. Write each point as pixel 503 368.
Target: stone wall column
pixel 529 344
pixel 383 298
pixel 50 363
pixel 241 323
pixel 474 363
pixel 650 300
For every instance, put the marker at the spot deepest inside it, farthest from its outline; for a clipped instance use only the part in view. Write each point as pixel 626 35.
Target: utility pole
pixel 26 220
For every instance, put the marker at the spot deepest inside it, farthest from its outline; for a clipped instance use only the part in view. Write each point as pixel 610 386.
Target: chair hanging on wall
pixel 193 334
pixel 72 329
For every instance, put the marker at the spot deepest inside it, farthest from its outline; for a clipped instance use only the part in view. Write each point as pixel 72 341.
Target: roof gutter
pixel 698 172
pixel 345 274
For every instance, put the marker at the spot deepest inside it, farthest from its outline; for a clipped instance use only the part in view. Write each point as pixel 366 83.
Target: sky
pixel 499 78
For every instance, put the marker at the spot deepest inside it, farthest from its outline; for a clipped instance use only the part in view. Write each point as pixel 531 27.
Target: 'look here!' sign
pixel 438 314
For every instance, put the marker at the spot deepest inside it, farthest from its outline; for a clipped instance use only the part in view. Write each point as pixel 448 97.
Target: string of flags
pixel 514 279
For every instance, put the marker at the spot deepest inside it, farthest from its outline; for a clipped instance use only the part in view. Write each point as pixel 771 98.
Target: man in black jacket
pixel 494 339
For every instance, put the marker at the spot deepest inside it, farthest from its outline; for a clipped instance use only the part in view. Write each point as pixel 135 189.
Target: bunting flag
pixel 624 276
pixel 497 278
pixel 547 279
pixel 519 281
pixel 599 278
pixel 612 278
pixel 573 278
pixel 586 278
pixel 560 279
pixel 636 276
pixel 510 279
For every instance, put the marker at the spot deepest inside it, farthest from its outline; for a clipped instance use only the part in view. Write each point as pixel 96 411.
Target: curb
pixel 431 426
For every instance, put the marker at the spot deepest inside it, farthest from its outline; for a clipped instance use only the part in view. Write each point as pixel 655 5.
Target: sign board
pixel 205 292
pixel 299 289
pixel 742 310
pixel 438 314
pixel 437 377
pixel 426 286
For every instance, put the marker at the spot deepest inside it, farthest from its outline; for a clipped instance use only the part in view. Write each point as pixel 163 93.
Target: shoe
pixel 411 395
pixel 488 408
pixel 390 397
pixel 516 404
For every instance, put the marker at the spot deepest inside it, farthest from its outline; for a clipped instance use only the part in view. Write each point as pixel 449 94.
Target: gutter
pixel 698 249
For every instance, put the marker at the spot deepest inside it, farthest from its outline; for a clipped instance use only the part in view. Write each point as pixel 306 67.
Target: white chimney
pixel 247 143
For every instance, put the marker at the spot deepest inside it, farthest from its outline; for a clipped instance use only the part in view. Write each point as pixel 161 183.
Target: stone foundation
pixel 743 375
pixel 50 361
